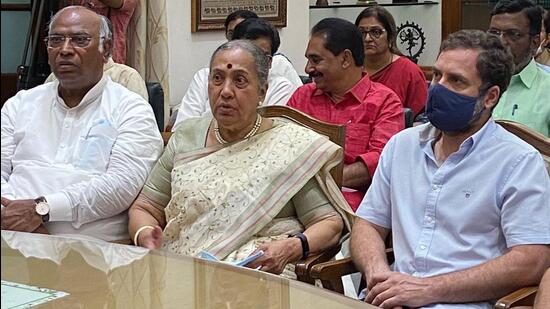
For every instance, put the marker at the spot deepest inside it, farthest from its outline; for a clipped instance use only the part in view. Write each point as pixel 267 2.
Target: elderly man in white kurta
pixel 76 152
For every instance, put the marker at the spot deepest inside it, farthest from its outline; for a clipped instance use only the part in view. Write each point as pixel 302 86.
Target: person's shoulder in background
pixel 122 74
pixel 281 66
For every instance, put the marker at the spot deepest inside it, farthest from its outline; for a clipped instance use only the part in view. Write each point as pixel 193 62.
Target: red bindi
pixel 229 65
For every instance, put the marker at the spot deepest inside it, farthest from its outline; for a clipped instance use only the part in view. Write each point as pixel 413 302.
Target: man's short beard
pixel 524 62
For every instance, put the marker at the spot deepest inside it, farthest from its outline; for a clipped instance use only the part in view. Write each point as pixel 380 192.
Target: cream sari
pixel 225 200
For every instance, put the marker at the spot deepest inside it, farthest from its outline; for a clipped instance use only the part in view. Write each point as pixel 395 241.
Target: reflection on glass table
pixel 97 274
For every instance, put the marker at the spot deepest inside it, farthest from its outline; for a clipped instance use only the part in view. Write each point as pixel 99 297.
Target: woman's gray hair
pixel 105 26
pixel 261 60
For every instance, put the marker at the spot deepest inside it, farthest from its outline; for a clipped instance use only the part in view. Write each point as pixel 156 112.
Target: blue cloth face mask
pixel 450 111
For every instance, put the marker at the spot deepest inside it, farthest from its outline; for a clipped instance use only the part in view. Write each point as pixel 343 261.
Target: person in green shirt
pixel 527 100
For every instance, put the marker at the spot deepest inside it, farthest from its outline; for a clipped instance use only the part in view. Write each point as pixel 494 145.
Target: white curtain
pixel 148 45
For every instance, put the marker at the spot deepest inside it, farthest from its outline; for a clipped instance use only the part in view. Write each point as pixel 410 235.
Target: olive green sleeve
pixel 158 186
pixel 312 204
pixel 189 136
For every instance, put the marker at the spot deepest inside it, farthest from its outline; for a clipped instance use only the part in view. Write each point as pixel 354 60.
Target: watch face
pixel 42 208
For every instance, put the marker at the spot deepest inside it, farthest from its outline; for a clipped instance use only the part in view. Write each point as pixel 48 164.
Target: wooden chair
pixel 535 139
pixel 336 134
pixel 521 297
pixel 524 296
pixel 331 272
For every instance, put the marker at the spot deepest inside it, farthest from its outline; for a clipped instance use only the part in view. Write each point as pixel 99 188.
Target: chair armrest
pixel 330 273
pixel 333 269
pixel 303 267
pixel 521 297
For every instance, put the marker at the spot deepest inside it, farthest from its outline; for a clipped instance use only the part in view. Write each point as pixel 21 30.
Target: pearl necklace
pixel 254 130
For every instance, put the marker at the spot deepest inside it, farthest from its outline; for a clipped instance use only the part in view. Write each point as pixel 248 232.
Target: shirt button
pixel 435 187
pixel 423 247
pixel 62 146
pixel 66 126
pixel 429 219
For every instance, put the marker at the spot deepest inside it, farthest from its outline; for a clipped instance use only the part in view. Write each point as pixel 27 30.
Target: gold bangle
pixel 145 227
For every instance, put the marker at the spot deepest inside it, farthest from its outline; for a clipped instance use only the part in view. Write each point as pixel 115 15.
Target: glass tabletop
pixel 97 274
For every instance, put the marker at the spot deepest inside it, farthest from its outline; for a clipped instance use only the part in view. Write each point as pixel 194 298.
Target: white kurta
pixel 89 161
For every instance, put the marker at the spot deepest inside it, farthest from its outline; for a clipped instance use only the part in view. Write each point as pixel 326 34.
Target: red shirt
pixel 120 18
pixel 372 114
pixel 407 81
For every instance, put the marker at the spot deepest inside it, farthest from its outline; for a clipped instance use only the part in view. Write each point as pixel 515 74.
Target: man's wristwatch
pixel 42 208
pixel 305 244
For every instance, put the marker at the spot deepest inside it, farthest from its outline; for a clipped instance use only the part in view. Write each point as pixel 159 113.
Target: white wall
pixel 189 52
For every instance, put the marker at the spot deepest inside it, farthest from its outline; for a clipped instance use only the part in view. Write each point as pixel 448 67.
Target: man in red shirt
pixel 342 93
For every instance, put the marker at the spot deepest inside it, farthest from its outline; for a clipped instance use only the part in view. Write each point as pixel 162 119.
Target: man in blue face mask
pixel 466 201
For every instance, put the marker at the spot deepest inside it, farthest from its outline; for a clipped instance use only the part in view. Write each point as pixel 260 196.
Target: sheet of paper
pixel 207 256
pixel 16 295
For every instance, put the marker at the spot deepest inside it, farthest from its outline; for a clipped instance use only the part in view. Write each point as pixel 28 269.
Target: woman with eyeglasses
pixel 385 64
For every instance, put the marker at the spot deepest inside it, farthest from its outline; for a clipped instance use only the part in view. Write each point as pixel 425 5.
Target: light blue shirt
pixel 490 195
pixel 544 67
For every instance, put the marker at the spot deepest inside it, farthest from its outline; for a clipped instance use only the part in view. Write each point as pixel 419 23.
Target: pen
pixel 514 109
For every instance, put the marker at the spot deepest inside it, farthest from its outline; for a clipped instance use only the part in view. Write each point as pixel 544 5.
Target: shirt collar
pixel 93 94
pixel 429 133
pixel 358 91
pixel 528 74
pixel 110 63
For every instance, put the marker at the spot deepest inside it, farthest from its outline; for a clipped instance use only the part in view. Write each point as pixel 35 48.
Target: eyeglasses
pixel 75 40
pixel 375 33
pixel 510 34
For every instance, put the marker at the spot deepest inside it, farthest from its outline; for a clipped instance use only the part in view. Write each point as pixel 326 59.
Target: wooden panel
pixel 8 86
pixel 450 17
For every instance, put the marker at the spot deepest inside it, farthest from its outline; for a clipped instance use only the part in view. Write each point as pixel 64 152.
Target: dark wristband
pixel 305 244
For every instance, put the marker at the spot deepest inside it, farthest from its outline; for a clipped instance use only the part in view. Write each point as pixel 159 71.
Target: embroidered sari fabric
pixel 227 200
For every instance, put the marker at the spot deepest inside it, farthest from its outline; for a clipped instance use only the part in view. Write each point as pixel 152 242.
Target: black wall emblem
pixel 411 40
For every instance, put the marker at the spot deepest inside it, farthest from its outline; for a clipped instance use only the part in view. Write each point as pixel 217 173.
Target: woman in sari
pixel 385 64
pixel 239 183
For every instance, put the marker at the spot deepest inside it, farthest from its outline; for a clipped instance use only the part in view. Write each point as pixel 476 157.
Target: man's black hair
pixel 255 28
pixel 244 14
pixel 340 35
pixel 532 11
